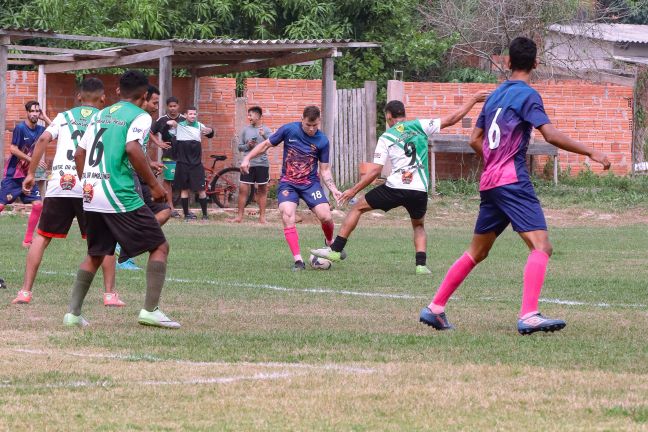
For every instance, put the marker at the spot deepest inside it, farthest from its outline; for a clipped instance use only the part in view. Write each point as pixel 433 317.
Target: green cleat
pixel 157 318
pixel 329 254
pixel 72 320
pixel 423 270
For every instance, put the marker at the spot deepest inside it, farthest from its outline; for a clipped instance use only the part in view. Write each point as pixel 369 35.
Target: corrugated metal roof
pixel 608 32
pixel 26 29
pixel 261 41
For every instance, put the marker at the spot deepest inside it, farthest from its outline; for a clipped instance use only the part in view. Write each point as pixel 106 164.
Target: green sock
pixel 155 275
pixel 81 286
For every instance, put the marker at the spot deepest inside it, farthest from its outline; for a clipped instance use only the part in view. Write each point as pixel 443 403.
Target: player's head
pixel 394 112
pixel 191 114
pixel 91 92
pixel 33 111
pixel 254 115
pixel 311 120
pixel 152 104
pixel 133 86
pixel 173 106
pixel 522 54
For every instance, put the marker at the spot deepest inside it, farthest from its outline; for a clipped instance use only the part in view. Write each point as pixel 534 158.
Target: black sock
pixel 185 206
pixel 421 258
pixel 203 205
pixel 338 244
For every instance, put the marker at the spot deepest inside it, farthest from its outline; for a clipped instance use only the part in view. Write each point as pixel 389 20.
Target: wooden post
pixel 328 104
pixel 371 91
pixel 555 169
pixel 166 88
pixel 42 87
pixel 240 121
pixel 4 41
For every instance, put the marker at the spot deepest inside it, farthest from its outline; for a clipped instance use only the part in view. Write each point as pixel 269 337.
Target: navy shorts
pixel 311 194
pixel 516 204
pixel 11 189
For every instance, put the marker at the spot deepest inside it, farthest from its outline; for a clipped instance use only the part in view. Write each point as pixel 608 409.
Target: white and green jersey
pixel 406 146
pixel 67 127
pixel 108 185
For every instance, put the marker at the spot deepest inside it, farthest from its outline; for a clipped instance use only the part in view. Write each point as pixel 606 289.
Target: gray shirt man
pixel 251 133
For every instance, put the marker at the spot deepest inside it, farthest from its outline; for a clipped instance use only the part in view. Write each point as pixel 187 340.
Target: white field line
pixel 194 381
pixel 123 357
pixel 361 293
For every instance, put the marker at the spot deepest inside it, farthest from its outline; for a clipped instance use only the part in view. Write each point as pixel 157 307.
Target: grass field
pixel 262 348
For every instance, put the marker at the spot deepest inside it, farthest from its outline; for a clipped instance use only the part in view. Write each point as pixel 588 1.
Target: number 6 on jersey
pixel 494 133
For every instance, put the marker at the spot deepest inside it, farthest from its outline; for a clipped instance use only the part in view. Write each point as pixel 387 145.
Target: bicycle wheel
pixel 224 188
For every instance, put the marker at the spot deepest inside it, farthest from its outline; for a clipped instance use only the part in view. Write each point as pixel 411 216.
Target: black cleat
pixel 438 321
pixel 537 322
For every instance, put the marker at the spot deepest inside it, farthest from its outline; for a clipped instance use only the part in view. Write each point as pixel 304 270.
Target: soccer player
pixel 405 144
pixel 501 136
pixel 109 151
pixel 22 145
pixel 63 201
pixel 304 147
pixel 187 149
pixel 162 127
pixel 259 173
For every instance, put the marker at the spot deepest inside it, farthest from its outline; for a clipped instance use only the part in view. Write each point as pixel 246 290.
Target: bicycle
pixel 222 187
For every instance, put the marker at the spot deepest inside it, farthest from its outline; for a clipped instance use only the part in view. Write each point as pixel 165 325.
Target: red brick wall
pixel 598 115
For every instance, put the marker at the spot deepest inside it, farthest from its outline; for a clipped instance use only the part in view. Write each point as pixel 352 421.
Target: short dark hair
pixel 151 91
pixel 311 112
pixel 522 53
pixel 172 99
pixel 257 109
pixel 91 85
pixel 131 83
pixel 30 104
pixel 191 108
pixel 396 108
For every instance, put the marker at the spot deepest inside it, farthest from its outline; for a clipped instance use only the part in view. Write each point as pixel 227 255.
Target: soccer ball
pixel 319 263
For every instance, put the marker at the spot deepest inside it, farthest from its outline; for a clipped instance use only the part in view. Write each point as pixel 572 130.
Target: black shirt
pixel 161 127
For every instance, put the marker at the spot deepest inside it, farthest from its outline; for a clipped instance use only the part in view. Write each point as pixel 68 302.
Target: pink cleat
pixel 112 300
pixel 23 297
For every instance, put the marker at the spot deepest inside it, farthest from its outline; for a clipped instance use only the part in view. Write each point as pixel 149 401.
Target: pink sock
pixel 456 274
pixel 37 207
pixel 293 241
pixel 534 274
pixel 328 229
pixel 2 206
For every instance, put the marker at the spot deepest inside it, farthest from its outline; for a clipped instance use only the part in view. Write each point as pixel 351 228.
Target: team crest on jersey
pixel 9 197
pixel 88 193
pixel 67 182
pixel 407 177
pixel 85 112
pixel 400 127
pixel 114 108
pixel 285 193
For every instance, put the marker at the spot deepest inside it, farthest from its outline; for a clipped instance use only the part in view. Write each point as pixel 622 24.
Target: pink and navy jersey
pixel 507 118
pixel 301 154
pixel 25 139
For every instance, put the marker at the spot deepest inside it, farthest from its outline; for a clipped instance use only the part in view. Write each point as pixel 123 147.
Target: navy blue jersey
pixel 24 138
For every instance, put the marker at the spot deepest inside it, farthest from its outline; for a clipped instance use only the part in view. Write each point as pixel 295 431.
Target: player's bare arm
pixel 372 174
pixel 256 151
pixel 158 142
pixel 141 165
pixel 39 151
pixel 79 161
pixel 453 118
pixel 327 177
pixel 562 141
pixel 476 139
pixel 14 150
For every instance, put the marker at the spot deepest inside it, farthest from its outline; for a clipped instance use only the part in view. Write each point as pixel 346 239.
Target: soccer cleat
pixel 438 321
pixel 423 270
pixel 23 297
pixel 299 266
pixel 112 300
pixel 3 285
pixel 329 254
pixel 343 253
pixel 72 320
pixel 537 322
pixel 157 318
pixel 175 214
pixel 129 264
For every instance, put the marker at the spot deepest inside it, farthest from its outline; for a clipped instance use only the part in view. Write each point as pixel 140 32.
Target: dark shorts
pixel 258 175
pixel 385 198
pixel 516 204
pixel 190 177
pixel 312 194
pixel 58 214
pixel 145 192
pixel 136 231
pixel 11 189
